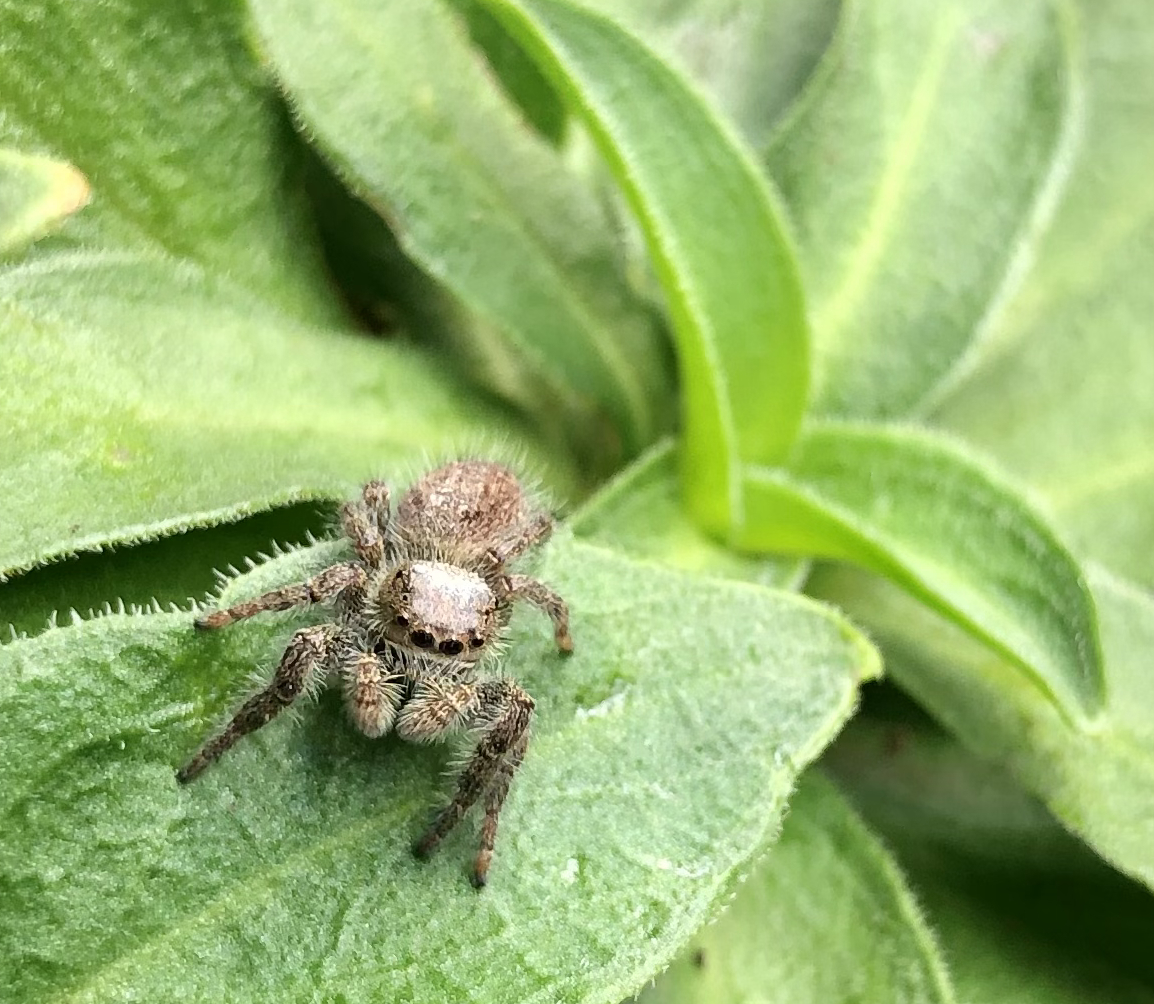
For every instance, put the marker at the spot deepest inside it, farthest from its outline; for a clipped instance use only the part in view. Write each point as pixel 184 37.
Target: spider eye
pixel 476 642
pixel 451 647
pixel 402 620
pixel 422 639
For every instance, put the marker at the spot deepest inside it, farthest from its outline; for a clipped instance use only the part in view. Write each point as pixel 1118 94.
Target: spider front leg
pixel 525 587
pixel 503 710
pixel 325 586
pixel 366 523
pixel 373 690
pixel 301 669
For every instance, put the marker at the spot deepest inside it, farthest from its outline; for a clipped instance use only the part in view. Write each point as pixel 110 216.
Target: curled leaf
pixel 510 260
pixel 144 397
pixel 715 235
pixel 919 510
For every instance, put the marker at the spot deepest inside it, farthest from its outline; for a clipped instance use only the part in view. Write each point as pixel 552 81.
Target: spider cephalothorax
pixel 423 604
pixel 436 606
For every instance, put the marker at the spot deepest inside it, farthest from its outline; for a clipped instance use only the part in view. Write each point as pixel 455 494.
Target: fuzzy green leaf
pixel 662 758
pixel 395 98
pixel 1096 777
pixel 142 397
pixel 164 110
pixel 997 957
pixel 640 513
pixel 933 800
pixel 826 916
pixel 155 574
pixel 919 168
pixel 170 373
pixel 751 56
pixel 520 77
pixel 1025 913
pixel 1063 395
pixel 916 508
pixel 36 195
pixel 714 233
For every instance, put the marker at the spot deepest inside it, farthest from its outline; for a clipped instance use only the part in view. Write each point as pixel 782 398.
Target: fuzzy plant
pixel 827 328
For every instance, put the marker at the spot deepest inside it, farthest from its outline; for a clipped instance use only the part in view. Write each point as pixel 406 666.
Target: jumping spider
pixel 415 615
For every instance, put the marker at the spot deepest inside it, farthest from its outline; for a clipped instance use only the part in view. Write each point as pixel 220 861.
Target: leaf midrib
pixel 831 319
pixel 989 334
pixel 1065 494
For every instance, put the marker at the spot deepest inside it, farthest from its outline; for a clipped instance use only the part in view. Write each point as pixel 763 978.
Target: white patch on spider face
pixel 449 599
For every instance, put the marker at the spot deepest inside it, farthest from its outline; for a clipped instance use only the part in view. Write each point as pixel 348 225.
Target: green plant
pixel 901 253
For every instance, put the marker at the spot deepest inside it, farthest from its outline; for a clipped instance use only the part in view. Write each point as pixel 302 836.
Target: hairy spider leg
pixel 494 799
pixel 502 711
pixel 366 523
pixel 324 586
pixel 521 538
pixel 301 668
pixel 524 587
